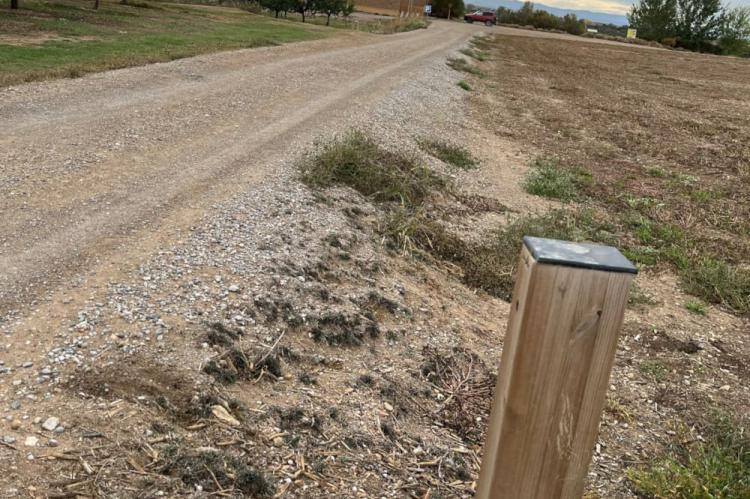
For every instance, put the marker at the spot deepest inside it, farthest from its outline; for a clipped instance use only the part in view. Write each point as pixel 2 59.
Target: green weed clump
pixel 462 84
pixel 461 64
pixel 696 306
pixel 715 467
pixel 474 54
pixel 456 156
pixel 716 281
pixel 359 162
pixel 549 179
pixel 654 369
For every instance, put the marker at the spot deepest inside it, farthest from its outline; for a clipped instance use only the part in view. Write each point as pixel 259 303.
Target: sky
pixel 614 6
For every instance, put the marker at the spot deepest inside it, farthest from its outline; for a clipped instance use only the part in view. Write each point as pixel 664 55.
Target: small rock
pixel 9 439
pixel 220 413
pixel 234 288
pixel 725 388
pixel 51 423
pixel 388 407
pixel 15 424
pixel 278 441
pixel 53 443
pixel 31 441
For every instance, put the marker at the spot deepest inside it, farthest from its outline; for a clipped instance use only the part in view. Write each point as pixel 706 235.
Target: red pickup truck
pixel 487 18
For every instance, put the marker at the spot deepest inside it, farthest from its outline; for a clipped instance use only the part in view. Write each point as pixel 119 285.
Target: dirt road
pixel 101 170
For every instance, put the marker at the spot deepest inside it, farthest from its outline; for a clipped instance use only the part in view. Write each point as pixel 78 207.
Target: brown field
pixel 658 144
pixel 660 125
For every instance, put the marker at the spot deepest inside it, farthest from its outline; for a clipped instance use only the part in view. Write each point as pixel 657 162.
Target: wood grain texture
pixel 555 367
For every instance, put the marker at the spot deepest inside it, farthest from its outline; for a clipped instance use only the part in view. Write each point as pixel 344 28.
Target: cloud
pixel 610 6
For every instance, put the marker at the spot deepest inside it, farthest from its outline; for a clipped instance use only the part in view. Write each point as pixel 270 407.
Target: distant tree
pixel 698 21
pixel 276 6
pixel 302 7
pixel 573 25
pixel 734 35
pixel 331 8
pixel 504 15
pixel 525 14
pixel 654 19
pixel 348 9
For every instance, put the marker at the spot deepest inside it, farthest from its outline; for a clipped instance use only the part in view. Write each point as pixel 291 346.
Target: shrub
pixel 464 85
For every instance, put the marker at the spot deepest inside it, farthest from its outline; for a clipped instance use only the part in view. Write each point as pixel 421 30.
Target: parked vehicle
pixel 487 18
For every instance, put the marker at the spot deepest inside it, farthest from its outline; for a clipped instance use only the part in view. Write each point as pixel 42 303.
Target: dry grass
pixel 662 136
pixel 359 162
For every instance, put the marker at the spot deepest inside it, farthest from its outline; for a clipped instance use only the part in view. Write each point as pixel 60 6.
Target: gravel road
pixel 100 171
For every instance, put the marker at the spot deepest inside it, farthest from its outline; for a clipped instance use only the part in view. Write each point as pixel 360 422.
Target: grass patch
pixel 456 156
pixel 697 307
pixel 714 467
pixel 461 64
pixel 474 54
pixel 637 297
pixel 716 281
pixel 654 369
pixel 464 85
pixel 359 162
pixel 548 179
pixel 68 39
pixel 411 25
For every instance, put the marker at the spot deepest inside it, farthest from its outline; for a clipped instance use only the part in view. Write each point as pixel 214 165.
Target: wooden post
pixel 567 309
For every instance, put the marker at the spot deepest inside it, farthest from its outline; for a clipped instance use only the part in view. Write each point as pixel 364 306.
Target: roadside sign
pixel 428 9
pixel 631 33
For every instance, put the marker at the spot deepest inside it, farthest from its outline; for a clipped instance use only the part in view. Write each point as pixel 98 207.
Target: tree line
pixel 528 16
pixel 702 25
pixel 303 7
pixel 309 7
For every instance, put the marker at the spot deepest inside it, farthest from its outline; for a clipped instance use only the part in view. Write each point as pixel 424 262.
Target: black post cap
pixel 585 255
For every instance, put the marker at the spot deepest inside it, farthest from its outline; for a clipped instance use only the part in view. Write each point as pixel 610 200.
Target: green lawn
pixel 67 38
